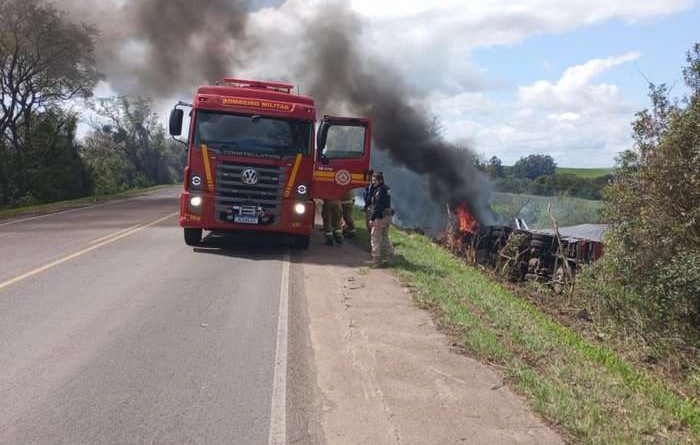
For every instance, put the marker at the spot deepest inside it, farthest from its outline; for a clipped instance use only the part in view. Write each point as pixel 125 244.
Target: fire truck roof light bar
pixel 241 83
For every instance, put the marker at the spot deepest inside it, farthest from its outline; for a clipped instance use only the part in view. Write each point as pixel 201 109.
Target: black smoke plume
pixel 344 77
pixel 164 47
pixel 205 29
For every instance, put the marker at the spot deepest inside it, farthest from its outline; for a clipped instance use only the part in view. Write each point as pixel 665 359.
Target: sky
pixel 559 78
pixel 509 78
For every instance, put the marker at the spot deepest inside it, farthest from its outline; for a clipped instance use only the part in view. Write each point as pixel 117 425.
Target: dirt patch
pixel 387 375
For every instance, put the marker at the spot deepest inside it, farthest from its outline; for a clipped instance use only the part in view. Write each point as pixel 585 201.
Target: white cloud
pixel 578 122
pixel 576 119
pixel 432 42
pixel 574 91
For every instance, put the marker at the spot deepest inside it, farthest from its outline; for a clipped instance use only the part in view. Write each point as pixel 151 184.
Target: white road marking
pixel 32 218
pixel 78 209
pixel 81 252
pixel 278 411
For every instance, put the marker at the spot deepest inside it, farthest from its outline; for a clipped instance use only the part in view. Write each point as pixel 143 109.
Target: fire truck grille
pixel 232 192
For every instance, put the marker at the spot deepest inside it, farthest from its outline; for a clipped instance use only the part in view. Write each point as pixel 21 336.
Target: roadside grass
pixel 584 389
pixel 586 172
pixel 75 203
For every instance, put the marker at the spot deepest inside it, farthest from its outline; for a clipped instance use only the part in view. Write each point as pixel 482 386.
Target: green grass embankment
pixel 585 389
pixel 53 207
pixel 586 172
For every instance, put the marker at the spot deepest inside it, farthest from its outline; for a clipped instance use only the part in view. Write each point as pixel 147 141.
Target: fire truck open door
pixel 342 159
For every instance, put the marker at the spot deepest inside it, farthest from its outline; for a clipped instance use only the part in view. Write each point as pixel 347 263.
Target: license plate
pixel 245 219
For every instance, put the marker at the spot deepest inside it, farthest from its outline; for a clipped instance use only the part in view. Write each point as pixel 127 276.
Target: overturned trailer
pixel 551 256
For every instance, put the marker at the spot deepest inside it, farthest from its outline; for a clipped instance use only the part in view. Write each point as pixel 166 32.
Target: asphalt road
pixel 113 331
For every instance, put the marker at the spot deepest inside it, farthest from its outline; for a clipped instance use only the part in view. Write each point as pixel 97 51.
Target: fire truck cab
pixel 253 163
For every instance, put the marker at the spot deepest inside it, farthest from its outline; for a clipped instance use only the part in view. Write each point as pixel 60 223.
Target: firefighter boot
pixel 338 236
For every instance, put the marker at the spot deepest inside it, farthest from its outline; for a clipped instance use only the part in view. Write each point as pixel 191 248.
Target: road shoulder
pixel 386 375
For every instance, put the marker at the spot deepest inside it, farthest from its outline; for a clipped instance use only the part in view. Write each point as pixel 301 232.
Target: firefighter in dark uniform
pixel 380 220
pixel 347 202
pixel 368 198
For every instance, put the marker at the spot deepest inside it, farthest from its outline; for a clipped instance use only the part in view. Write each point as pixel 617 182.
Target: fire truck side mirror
pixel 175 124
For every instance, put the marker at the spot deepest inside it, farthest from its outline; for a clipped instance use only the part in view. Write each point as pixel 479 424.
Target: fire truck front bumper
pixel 198 210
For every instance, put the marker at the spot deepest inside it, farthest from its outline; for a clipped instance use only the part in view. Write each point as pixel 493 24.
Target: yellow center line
pixel 81 252
pixel 114 234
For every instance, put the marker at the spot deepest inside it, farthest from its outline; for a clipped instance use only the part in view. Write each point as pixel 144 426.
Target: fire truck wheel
pixel 302 242
pixel 193 236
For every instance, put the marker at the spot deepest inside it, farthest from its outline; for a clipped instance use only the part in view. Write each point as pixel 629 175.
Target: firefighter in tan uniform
pixel 380 220
pixel 332 215
pixel 347 202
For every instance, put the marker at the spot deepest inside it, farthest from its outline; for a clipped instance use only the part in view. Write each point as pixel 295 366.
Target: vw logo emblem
pixel 249 176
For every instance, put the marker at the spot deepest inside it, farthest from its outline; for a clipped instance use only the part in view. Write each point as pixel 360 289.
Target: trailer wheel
pixel 301 242
pixel 193 237
pixel 561 280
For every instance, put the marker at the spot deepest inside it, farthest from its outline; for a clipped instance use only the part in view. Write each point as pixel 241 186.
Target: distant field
pixel 586 172
pixel 567 211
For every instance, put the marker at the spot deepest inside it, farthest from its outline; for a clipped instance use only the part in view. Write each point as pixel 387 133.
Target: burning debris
pixel 517 252
pixel 467 223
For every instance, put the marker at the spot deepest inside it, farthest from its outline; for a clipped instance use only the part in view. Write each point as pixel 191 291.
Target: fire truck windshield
pixel 252 134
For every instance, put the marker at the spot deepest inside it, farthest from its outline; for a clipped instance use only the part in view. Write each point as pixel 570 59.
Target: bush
pixel 653 203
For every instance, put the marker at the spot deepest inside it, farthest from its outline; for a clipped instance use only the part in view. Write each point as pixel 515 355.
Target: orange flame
pixel 467 223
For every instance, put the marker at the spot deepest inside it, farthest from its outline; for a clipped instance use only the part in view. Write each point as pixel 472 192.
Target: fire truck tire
pixel 193 237
pixel 301 242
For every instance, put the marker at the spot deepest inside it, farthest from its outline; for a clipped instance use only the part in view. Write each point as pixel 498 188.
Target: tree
pixel 53 164
pixel 654 202
pixel 127 146
pixel 495 167
pixel 52 168
pixel 45 60
pixel 534 166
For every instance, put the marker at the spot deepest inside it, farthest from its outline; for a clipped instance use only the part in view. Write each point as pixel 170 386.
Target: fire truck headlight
pixel 196 201
pixel 299 208
pixel 302 189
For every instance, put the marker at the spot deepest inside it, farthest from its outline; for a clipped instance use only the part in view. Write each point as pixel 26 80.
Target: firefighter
pixel 368 206
pixel 332 216
pixel 380 220
pixel 347 202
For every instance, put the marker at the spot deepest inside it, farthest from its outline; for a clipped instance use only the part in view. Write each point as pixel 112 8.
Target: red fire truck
pixel 253 163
